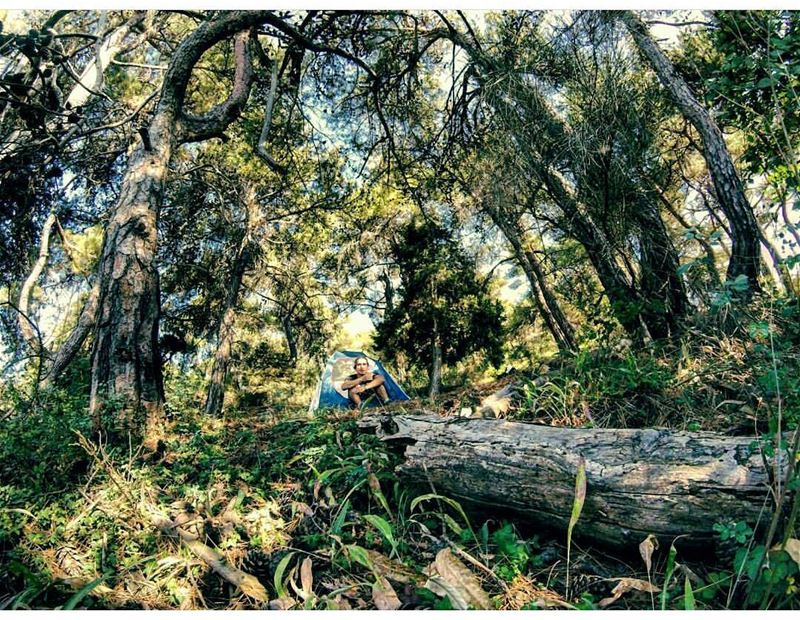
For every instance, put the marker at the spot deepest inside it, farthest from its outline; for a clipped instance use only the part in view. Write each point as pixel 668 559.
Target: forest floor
pixel 278 509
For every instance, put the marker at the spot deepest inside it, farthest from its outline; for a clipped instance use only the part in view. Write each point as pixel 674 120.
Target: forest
pixel 566 243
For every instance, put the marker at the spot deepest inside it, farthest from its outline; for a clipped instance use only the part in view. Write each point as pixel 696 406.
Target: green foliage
pixel 734 530
pixel 440 296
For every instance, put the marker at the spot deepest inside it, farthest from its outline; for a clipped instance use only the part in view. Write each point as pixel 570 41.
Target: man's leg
pixel 355 399
pixel 382 393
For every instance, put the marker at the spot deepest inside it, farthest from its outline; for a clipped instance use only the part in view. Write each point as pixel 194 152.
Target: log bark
pixel 639 481
pixel 745 231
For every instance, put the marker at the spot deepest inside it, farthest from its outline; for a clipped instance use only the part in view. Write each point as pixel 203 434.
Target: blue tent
pixel 340 365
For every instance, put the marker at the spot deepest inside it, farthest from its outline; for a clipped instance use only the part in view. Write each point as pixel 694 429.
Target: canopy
pixel 329 392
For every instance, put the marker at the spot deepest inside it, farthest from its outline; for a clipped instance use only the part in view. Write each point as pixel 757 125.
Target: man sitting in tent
pixel 363 384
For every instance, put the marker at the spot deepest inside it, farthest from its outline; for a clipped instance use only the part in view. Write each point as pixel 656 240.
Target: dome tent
pixel 339 366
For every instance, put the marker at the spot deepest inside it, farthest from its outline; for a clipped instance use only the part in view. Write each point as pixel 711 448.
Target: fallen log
pixel 639 481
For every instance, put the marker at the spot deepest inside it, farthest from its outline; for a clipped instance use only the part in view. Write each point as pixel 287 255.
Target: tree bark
pixel 435 372
pixel 745 231
pixel 639 481
pixel 126 365
pixel 226 334
pixel 26 326
pixel 665 297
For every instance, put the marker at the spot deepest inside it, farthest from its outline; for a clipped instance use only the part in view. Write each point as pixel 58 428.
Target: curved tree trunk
pixel 745 231
pixel 638 481
pixel 126 365
pixel 77 337
pixel 26 325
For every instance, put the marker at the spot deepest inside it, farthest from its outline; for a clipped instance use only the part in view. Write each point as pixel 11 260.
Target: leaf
pixel 282 604
pixel 446 518
pixel 359 555
pixel 668 575
pixel 577 507
pixel 383 527
pixel 392 569
pixel 646 548
pixel 338 522
pixel 375 487
pixel 688 595
pixel 627 584
pixel 307 577
pixel 84 592
pixel 277 579
pixel 449 575
pixel 253 588
pixel 793 549
pixel 384 596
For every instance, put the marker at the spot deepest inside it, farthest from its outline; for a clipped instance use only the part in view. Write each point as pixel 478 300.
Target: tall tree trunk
pixel 626 302
pixel 662 288
pixel 226 333
pixel 435 372
pixel 528 117
pixel 745 231
pixel 26 326
pixel 225 337
pixel 546 302
pixel 126 365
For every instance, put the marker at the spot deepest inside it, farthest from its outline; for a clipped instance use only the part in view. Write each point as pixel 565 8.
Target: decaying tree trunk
pixel 745 231
pixel 639 481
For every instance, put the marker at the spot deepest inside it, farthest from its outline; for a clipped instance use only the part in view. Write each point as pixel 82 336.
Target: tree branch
pixel 214 122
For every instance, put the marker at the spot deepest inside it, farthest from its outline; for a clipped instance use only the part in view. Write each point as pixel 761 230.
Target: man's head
pixel 361 364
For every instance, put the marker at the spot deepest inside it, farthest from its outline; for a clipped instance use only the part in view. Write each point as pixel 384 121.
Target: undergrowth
pixel 312 511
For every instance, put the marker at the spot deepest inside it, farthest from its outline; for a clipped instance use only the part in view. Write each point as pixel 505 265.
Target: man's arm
pixel 351 383
pixel 374 382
